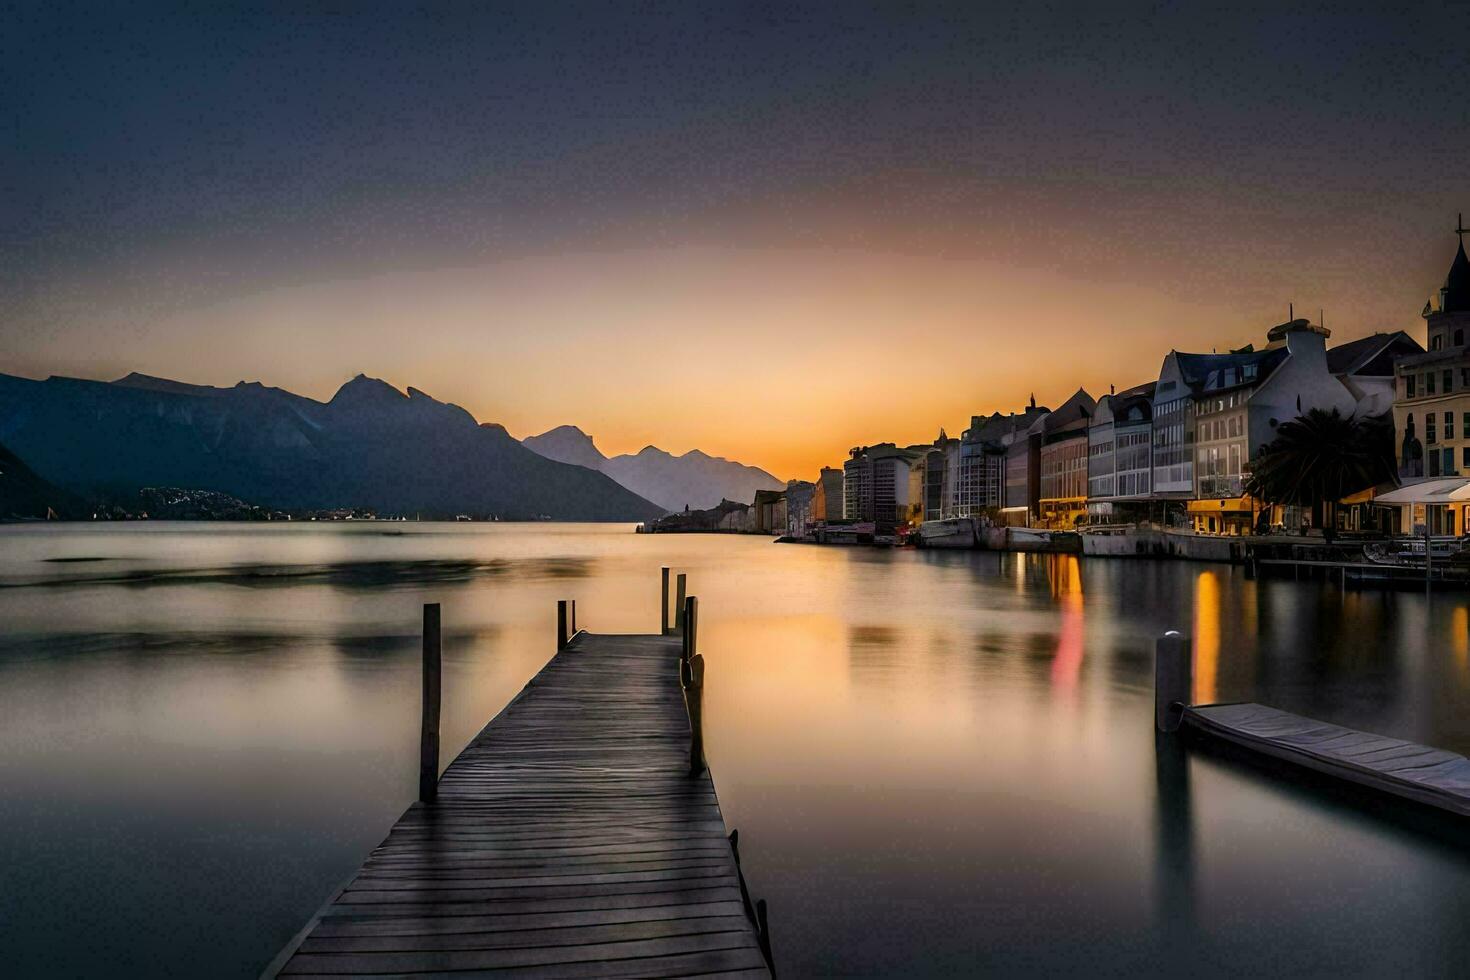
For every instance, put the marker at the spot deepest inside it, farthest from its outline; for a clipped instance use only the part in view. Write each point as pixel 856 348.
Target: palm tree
pixel 1318 458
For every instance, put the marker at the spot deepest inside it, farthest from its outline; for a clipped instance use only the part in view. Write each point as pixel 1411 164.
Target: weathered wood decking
pixel 567 840
pixel 1430 776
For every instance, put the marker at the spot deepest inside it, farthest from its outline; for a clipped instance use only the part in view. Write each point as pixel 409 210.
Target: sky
pixel 768 231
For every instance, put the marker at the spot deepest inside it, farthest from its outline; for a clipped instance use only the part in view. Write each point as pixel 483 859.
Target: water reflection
pixel 1206 637
pixel 939 762
pixel 1174 892
pixel 1066 588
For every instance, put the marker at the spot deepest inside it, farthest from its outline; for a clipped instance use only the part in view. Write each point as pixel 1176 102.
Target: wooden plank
pixel 567 839
pixel 723 963
pixel 577 935
pixel 1390 765
pixel 603 954
pixel 407 925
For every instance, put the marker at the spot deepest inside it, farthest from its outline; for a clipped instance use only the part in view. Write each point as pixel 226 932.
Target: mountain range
pixel 695 480
pixel 370 446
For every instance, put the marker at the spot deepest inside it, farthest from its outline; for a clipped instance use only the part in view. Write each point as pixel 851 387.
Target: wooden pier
pixel 1429 776
pixel 577 835
pixel 1433 777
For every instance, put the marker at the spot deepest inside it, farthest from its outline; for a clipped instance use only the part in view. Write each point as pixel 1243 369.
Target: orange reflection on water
pixel 1206 637
pixel 1460 640
pixel 1066 586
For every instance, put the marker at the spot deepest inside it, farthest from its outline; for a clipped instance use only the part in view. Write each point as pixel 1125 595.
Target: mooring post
pixel 691 675
pixel 429 730
pixel 663 605
pixel 561 624
pixel 574 620
pixel 679 590
pixel 1173 680
pixel 763 935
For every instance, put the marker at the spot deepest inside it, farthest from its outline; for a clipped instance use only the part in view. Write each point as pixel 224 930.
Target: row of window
pixel 1213 429
pixel 1431 430
pixel 1209 405
pixel 1217 461
pixel 1233 375
pixel 1416 384
pixel 1442 462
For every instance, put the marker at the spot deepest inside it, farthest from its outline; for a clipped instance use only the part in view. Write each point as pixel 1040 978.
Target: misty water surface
pixel 939 763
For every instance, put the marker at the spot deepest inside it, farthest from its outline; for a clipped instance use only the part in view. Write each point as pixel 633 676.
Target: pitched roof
pixel 1210 372
pixel 1073 414
pixel 1350 357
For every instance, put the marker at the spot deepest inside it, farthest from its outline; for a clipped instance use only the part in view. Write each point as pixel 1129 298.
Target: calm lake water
pixel 939 763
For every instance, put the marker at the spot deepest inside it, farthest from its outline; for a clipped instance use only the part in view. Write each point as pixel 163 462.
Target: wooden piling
pixel 763 935
pixel 1173 680
pixel 663 605
pixel 679 593
pixel 429 729
pixel 561 624
pixel 691 676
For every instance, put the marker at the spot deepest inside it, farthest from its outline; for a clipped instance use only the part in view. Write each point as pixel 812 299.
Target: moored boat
pixel 952 532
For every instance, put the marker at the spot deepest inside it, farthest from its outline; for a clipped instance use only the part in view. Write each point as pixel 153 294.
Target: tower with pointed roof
pixel 1447 312
pixel 1431 406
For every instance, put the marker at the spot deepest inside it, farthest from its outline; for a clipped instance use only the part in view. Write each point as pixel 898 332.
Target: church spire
pixel 1455 297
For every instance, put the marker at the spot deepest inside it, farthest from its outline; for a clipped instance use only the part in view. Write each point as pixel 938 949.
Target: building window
pixel 1449 462
pixel 1434 464
pixel 1429 427
pixel 1429 383
pixel 1408 386
pixel 1449 382
pixel 1465 458
pixel 1449 426
pixel 1460 338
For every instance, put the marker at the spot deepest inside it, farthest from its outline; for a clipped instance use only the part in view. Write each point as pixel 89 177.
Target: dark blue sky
pixel 158 159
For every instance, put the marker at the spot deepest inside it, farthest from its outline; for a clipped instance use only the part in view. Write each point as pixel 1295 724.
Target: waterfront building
pixel 976 463
pixel 1023 466
pixel 1213 412
pixel 857 486
pixel 937 475
pixel 1432 411
pixel 827 497
pixel 884 484
pixel 1062 463
pixel 1120 456
pixel 800 497
pixel 769 512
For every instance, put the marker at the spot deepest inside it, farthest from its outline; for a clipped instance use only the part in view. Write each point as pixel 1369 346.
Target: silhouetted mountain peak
pixel 148 382
pixel 567 444
pixel 363 389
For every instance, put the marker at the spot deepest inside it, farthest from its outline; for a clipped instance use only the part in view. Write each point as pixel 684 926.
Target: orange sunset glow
pixel 746 353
